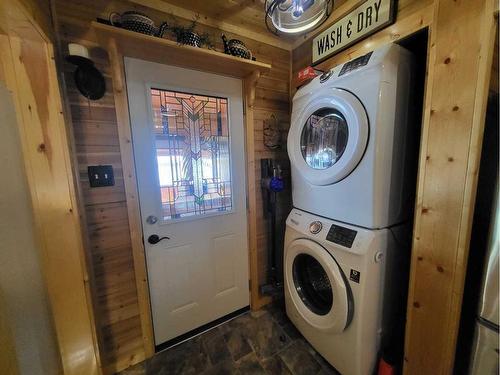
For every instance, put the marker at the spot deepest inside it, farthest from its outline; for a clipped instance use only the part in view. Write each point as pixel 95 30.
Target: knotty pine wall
pixel 95 137
pixel 39 11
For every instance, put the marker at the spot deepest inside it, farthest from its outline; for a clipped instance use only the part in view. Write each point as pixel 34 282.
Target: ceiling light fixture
pixel 296 16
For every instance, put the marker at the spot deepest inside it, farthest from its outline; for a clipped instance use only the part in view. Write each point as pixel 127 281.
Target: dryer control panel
pixel 341 236
pixel 355 64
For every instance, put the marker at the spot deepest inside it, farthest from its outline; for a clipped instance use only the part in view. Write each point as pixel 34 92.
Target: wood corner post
pixel 452 132
pixel 256 300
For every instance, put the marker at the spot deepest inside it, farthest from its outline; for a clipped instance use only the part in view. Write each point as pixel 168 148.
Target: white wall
pixel 23 294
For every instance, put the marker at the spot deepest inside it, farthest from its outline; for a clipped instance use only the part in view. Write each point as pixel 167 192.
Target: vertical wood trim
pixel 459 65
pixel 249 92
pixel 132 196
pixel 486 35
pixel 30 74
pixel 249 85
pixel 90 285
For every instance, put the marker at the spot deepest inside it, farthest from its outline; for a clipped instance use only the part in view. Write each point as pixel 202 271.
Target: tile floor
pixel 262 342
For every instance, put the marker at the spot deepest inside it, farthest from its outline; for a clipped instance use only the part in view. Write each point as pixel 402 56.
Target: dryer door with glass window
pixel 328 138
pixel 317 286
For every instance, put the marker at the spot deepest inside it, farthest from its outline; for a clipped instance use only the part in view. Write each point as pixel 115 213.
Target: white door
pixel 188 138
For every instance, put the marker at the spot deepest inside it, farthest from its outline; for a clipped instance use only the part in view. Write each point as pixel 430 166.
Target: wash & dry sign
pixel 369 17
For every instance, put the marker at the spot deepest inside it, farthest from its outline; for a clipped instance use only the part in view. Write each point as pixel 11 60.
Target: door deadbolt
pixel 151 219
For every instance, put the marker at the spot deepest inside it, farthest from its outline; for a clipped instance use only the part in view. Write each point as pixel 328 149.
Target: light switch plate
pixel 101 175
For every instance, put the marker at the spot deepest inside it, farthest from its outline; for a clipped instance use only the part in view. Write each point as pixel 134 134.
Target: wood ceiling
pixel 247 14
pixel 243 17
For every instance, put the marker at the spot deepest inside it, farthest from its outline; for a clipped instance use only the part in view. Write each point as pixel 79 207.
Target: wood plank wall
pixel 39 11
pixel 96 142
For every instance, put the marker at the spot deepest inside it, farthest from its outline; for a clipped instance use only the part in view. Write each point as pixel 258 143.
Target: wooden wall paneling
pixel 462 35
pixel 97 141
pixel 272 99
pixel 39 12
pixel 260 115
pixel 96 138
pixel 30 74
pixel 68 91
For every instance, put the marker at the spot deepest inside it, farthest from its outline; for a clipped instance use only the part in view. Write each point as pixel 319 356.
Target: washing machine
pixel 344 288
pixel 351 142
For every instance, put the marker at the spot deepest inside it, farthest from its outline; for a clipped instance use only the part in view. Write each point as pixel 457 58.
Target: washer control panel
pixel 315 227
pixel 341 236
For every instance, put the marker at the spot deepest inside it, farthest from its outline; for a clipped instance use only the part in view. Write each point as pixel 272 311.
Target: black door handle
pixel 154 239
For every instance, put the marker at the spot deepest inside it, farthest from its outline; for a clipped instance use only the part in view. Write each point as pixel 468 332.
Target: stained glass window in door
pixel 192 150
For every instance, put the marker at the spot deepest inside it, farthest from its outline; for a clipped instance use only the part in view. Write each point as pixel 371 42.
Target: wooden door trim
pixel 249 85
pixel 132 195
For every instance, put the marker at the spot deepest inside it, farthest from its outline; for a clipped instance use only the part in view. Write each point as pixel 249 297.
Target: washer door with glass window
pixel 317 286
pixel 328 138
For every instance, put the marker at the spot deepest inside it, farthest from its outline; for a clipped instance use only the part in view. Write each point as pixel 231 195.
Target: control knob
pixel 315 227
pixel 325 76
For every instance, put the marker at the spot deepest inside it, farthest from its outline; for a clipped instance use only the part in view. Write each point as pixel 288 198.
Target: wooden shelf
pixel 165 51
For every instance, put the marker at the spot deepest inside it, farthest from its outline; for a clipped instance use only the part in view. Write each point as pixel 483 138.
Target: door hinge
pixel 249 284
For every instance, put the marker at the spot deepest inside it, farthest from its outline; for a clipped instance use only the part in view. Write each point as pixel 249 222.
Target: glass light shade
pixel 295 16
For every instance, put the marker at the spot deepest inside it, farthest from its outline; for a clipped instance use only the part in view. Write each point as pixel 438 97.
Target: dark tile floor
pixel 262 342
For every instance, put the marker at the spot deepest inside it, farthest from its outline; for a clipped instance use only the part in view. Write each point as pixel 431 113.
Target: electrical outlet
pixel 101 175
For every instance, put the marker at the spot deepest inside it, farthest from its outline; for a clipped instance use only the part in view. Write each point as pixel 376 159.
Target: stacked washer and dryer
pixel 351 150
